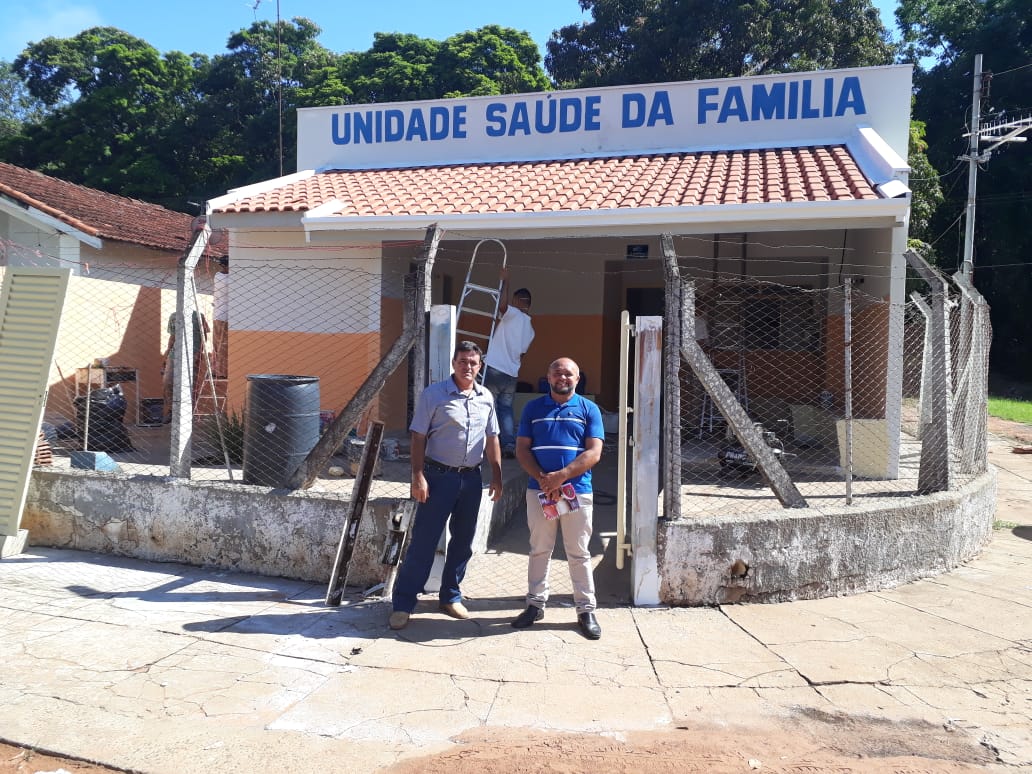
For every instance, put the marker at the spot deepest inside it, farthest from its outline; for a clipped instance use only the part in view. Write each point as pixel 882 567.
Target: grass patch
pixel 998 525
pixel 1009 408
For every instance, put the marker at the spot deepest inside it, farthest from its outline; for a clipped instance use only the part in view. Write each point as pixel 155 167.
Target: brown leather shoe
pixel 455 610
pixel 399 619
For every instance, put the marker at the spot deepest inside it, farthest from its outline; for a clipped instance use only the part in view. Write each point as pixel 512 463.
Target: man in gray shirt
pixel 453 425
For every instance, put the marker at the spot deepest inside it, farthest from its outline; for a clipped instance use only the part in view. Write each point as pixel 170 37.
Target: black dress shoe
pixel 588 625
pixel 528 617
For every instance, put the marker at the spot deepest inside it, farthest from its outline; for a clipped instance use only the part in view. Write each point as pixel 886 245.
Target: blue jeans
pixel 451 494
pixel 503 387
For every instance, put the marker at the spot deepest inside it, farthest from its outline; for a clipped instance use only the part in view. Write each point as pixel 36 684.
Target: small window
pixel 786 319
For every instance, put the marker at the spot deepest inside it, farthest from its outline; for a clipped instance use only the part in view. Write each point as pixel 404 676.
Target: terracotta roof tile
pixel 826 173
pixel 97 213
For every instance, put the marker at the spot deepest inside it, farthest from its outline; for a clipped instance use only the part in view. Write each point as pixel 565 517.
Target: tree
pixel 953 31
pixel 18 107
pixel 490 60
pixel 248 99
pixel 398 67
pixel 647 41
pixel 126 94
pixel 924 182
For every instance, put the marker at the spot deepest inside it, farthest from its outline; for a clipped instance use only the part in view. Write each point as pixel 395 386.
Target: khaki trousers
pixel 576 529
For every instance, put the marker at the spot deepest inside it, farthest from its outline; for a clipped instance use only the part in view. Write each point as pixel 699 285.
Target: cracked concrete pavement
pixel 170 668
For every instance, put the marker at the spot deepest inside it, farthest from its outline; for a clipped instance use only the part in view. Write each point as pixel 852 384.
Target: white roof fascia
pixel 235 194
pixel 326 209
pixel 49 222
pixel 876 159
pixel 594 220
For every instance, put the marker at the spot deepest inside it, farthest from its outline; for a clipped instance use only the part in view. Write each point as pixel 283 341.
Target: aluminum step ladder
pixel 479 300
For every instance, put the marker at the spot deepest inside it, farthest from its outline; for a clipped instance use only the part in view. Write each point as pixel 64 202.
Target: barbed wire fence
pixel 792 395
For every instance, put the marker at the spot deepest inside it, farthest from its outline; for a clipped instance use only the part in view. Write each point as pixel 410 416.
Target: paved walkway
pixel 169 668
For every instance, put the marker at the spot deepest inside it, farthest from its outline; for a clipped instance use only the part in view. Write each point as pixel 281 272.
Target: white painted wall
pixel 281 283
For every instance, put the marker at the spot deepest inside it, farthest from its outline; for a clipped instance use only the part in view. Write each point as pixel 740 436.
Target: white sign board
pixel 765 111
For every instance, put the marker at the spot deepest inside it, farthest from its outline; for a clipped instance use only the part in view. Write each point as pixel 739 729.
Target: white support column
pixel 183 355
pixel 648 434
pixel 441 345
pixel 442 341
pixel 894 355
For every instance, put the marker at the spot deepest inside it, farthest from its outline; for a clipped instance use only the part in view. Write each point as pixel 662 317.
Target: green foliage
pixel 490 60
pixel 18 108
pixel 924 182
pixel 647 41
pixel 127 98
pixel 1011 409
pixel 953 31
pixel 173 128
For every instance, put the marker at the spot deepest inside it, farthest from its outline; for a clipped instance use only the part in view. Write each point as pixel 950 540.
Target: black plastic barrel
pixel 107 412
pixel 281 425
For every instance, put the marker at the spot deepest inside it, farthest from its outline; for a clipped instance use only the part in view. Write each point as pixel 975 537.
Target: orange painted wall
pixel 796 377
pixel 393 405
pixel 575 336
pixel 870 359
pixel 341 361
pixel 117 321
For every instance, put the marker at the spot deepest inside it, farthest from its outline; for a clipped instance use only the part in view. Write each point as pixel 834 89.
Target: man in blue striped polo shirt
pixel 558 443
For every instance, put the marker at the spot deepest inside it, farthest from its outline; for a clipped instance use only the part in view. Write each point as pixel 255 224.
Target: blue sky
pixel 348 25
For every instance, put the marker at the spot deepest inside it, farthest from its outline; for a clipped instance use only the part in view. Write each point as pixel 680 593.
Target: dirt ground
pixel 19 760
pixel 813 742
pixel 1014 430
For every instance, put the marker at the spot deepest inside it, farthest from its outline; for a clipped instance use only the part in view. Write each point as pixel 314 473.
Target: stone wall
pixel 812 553
pixel 232 526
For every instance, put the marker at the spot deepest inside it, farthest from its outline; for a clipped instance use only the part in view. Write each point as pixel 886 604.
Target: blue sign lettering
pixel 544 124
pixel 568 114
pixel 495 114
pixel 733 107
pixel 393 125
pixel 706 102
pixel 851 97
pixel 768 104
pixel 720 103
pixel 809 98
pixel 633 114
pixel 638 112
pixel 660 110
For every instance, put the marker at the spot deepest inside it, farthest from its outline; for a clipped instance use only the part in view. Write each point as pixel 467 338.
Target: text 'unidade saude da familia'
pixel 792 100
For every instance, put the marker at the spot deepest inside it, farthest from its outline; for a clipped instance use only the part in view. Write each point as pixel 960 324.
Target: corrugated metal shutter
pixel 30 313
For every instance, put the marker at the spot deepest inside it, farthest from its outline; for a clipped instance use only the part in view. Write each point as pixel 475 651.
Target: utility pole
pixel 972 160
pixel 997 133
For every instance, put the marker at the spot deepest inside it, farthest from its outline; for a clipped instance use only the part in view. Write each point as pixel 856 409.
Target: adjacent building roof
pixel 765 176
pixel 97 213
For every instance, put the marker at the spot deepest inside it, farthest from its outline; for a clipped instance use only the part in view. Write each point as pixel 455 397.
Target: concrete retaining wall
pixel 811 553
pixel 228 525
pixel 787 555
pixel 232 526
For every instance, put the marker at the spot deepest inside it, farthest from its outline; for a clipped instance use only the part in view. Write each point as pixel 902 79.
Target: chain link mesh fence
pixel 281 343
pixel 289 334
pixel 818 374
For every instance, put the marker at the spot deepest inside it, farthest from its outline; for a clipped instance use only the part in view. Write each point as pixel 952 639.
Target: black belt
pixel 441 467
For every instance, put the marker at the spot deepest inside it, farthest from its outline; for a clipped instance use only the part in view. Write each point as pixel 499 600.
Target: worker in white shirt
pixel 510 340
